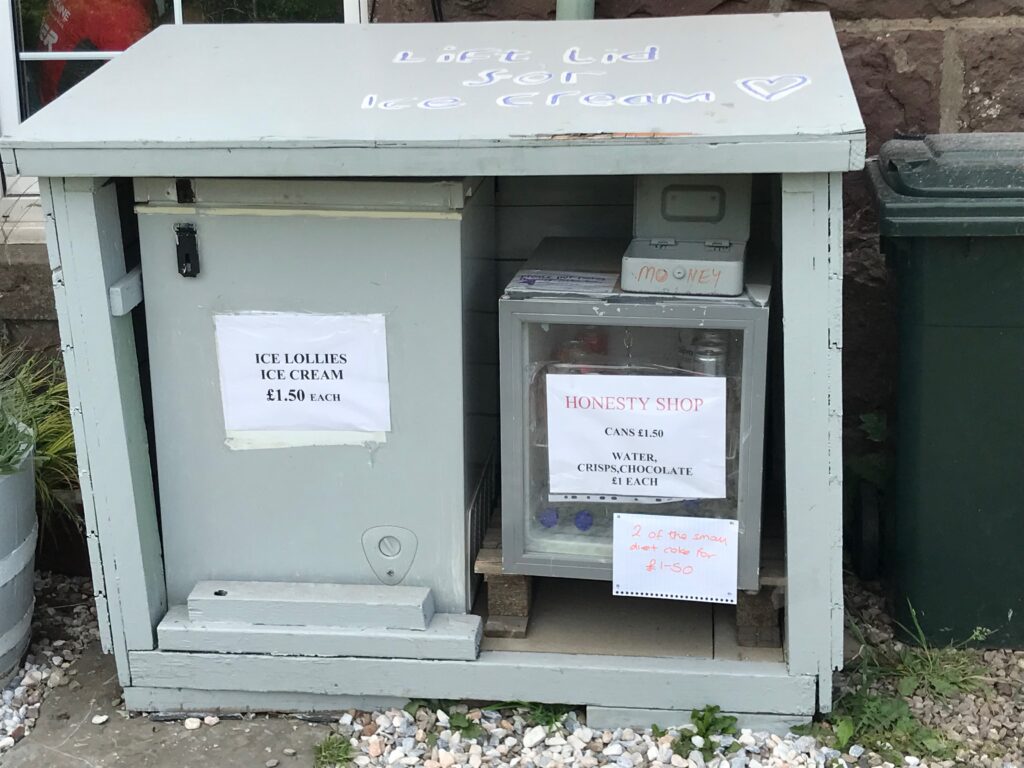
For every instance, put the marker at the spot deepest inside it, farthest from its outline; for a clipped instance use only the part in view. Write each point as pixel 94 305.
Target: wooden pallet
pixel 509 596
pixel 759 614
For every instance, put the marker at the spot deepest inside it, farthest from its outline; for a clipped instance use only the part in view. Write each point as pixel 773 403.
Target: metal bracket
pixel 126 293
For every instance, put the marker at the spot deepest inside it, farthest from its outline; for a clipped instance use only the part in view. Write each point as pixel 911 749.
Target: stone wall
pixel 27 315
pixel 917 66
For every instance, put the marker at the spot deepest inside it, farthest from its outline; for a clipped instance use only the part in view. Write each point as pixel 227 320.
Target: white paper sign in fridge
pixel 676 558
pixel 632 435
pixel 291 372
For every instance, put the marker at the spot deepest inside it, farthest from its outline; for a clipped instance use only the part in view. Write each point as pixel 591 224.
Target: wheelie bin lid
pixel 950 185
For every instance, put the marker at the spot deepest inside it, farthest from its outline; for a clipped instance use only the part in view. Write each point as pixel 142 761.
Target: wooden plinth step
pixel 448 636
pixel 302 604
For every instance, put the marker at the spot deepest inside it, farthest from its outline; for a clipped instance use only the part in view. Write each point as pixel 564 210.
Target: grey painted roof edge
pixel 561 140
pixel 807 156
pixel 772 79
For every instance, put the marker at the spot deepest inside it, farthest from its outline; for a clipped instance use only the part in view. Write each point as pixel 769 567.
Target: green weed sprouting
pixel 875 714
pixel 335 751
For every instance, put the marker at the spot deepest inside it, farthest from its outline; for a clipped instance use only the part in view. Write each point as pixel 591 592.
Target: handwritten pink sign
pixel 675 558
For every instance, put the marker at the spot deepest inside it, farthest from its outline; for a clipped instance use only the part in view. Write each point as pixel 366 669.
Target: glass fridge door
pixel 575 528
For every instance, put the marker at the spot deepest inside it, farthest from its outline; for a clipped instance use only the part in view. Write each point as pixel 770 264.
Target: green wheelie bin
pixel 951 211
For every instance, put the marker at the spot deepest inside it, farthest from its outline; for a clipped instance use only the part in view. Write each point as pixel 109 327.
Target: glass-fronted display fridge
pixel 673 426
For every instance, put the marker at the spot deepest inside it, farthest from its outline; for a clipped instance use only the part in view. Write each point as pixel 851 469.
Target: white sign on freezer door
pixel 303 373
pixel 636 436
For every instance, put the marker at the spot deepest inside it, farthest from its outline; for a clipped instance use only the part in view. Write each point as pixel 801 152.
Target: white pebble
pixel 211 720
pixel 100 719
pixel 612 750
pixel 32 678
pixel 193 723
pixel 698 741
pixel 534 736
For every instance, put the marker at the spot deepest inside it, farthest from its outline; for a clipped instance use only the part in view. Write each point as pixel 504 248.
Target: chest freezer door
pixel 302 513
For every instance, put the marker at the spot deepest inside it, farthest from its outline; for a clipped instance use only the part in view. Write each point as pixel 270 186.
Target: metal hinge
pixel 188 249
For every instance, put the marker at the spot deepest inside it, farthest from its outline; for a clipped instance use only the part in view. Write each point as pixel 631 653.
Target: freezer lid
pixel 754 93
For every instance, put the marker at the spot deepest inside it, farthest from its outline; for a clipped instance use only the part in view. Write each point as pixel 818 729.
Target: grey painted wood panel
pixel 813 500
pixel 46 194
pixel 693 81
pixel 750 154
pixel 111 431
pixel 834 491
pixel 554 191
pixel 204 701
pixel 496 676
pixel 521 228
pixel 323 605
pixel 449 636
pixel 622 717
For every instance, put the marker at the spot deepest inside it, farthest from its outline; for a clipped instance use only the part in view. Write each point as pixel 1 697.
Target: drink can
pixel 709 360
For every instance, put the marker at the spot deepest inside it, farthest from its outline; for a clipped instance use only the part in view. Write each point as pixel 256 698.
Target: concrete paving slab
pixel 65 737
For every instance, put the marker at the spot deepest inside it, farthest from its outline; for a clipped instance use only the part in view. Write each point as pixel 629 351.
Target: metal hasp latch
pixel 188 249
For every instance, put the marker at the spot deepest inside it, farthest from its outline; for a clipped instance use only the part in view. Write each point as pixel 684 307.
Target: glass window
pixel 61 42
pixel 247 11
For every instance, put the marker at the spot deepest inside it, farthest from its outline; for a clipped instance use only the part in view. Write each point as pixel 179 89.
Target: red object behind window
pixel 87 25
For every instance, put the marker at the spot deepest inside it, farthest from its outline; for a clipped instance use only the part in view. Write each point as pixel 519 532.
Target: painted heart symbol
pixel 773 88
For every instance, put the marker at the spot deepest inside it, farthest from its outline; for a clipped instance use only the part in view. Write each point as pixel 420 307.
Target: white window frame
pixel 355 11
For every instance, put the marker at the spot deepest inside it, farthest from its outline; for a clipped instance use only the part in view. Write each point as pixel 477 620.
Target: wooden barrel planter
pixel 18 533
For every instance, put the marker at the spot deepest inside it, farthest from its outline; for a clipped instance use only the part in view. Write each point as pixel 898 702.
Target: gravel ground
pixel 63 625
pixel 988 726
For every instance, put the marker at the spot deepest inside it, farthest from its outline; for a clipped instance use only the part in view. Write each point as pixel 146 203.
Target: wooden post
pixel 83 234
pixel 812 346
